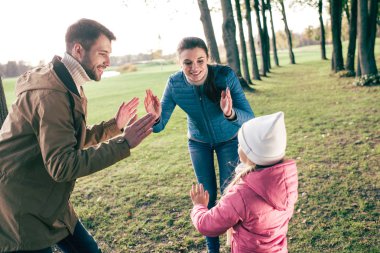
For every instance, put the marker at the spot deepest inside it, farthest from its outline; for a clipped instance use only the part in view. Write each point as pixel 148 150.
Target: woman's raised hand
pixel 226 102
pixel 152 104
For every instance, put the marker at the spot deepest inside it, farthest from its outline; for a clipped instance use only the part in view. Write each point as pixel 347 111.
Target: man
pixel 45 145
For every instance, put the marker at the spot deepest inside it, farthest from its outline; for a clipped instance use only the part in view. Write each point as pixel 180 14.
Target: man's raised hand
pixel 136 132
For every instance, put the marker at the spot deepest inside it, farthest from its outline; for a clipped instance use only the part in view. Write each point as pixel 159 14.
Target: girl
pixel 259 201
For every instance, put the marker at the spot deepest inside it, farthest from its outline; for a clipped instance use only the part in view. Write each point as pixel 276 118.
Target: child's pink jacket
pixel 259 209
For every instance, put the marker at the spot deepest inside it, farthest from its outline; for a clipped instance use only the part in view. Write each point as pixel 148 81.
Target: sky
pixel 34 30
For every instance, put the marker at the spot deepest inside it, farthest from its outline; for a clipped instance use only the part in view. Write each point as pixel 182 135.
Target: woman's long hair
pixel 210 89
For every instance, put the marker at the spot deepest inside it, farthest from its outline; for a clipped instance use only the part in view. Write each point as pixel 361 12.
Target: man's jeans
pixel 202 157
pixel 80 242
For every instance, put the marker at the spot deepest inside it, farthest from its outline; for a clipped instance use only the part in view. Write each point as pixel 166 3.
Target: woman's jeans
pixel 202 157
pixel 79 242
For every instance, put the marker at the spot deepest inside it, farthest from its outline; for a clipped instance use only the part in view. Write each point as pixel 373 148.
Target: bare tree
pixel 275 57
pixel 229 37
pixel 367 15
pixel 252 49
pixel 265 35
pixel 209 30
pixel 322 28
pixel 256 7
pixel 336 30
pixel 350 61
pixel 318 4
pixel 346 9
pixel 3 104
pixel 242 43
pixel 287 31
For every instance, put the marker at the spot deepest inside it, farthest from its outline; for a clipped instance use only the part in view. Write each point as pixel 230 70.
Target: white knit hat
pixel 263 139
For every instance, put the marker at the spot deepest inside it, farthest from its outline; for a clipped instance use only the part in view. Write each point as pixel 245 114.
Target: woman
pixel 216 108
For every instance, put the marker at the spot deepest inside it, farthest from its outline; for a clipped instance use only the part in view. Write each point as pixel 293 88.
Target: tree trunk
pixel 274 46
pixel 336 30
pixel 209 30
pixel 323 36
pixel 266 36
pixel 229 37
pixel 346 10
pixel 3 104
pixel 243 47
pixel 288 33
pixel 367 14
pixel 350 61
pixel 261 39
pixel 252 49
pixel 358 70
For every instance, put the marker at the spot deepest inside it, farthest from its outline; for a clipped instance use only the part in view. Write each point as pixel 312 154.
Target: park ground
pixel 142 203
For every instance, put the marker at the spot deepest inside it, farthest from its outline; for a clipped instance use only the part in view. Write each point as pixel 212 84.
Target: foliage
pixel 138 58
pixel 127 68
pixel 311 3
pixel 368 80
pixel 13 68
pixel 345 73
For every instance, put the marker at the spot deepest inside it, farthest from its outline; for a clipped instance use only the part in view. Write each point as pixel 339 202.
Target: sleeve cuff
pixel 232 117
pixel 112 126
pixel 157 121
pixel 121 139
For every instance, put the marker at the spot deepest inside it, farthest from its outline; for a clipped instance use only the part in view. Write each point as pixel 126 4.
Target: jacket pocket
pixel 56 202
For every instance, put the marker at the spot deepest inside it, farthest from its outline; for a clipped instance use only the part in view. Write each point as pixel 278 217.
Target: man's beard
pixel 86 64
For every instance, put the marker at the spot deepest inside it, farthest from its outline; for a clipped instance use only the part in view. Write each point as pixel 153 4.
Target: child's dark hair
pixel 210 88
pixel 86 32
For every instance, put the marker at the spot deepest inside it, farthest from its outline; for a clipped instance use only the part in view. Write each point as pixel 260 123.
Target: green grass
pixel 141 204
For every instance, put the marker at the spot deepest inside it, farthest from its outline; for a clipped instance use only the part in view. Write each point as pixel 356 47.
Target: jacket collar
pixel 63 74
pixel 275 184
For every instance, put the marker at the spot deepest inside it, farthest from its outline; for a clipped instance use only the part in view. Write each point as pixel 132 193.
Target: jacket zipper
pixel 207 121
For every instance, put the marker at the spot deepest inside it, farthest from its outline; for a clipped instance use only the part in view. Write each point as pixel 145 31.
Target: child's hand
pixel 199 195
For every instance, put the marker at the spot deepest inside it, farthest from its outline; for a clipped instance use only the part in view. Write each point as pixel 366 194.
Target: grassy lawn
pixel 141 204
